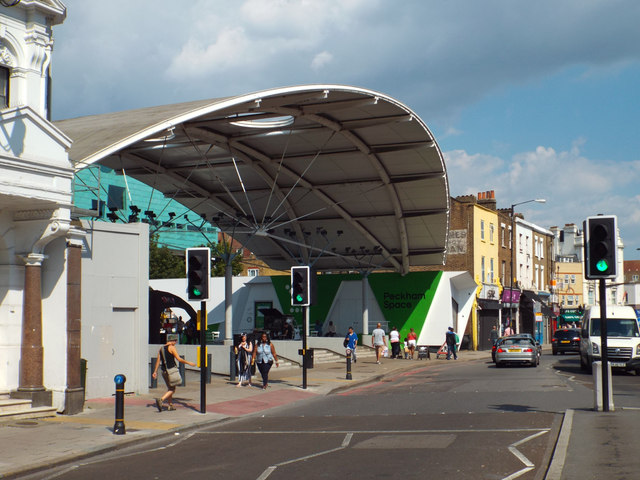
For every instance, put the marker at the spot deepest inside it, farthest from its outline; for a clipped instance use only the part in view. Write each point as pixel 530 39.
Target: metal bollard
pixel 349 364
pixel 153 381
pixel 118 426
pixel 181 369
pixel 232 364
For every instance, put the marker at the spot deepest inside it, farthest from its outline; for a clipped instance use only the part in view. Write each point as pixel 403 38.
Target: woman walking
pixel 264 355
pixel 167 357
pixel 243 361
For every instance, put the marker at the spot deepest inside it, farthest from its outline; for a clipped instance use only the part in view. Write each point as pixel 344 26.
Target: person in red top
pixel 412 338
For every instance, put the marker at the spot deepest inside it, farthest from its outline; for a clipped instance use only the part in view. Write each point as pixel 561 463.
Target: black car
pixel 566 340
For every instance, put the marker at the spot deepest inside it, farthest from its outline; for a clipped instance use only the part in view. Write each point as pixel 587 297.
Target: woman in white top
pixel 394 340
pixel 264 355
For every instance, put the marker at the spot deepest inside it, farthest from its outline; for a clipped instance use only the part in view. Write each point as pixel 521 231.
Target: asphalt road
pixel 464 420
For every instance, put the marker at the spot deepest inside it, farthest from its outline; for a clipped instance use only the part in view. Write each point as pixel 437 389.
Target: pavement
pixel 590 444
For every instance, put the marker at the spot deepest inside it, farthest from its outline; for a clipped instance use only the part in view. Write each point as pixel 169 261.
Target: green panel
pixel 405 300
pixel 327 287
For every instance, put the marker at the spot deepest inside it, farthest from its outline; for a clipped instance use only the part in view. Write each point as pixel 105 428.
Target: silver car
pixel 516 350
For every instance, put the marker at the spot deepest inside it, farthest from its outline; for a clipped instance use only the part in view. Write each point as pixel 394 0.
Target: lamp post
pixel 513 251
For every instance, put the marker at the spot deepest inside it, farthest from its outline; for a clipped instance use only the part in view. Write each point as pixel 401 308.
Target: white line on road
pixel 345 432
pixel 528 464
pixel 345 443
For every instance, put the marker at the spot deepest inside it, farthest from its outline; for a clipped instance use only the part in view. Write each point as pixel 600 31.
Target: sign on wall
pixel 457 243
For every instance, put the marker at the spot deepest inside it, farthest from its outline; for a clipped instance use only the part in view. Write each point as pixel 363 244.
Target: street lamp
pixel 513 251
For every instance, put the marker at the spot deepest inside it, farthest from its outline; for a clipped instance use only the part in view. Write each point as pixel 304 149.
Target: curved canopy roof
pixel 334 176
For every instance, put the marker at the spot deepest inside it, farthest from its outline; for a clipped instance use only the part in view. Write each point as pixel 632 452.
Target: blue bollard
pixel 118 427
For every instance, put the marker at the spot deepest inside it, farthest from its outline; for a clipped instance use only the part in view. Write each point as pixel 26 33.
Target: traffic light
pixel 600 247
pixel 301 286
pixel 198 273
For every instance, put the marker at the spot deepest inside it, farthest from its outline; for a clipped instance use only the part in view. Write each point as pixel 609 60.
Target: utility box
pixel 307 358
pixel 597 381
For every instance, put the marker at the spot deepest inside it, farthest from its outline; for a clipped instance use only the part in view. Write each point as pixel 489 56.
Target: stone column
pixel 31 353
pixel 74 393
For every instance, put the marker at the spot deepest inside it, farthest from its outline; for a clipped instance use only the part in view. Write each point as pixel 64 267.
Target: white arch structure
pixel 339 177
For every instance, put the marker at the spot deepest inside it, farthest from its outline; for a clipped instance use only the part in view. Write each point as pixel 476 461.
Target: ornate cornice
pixel 39 214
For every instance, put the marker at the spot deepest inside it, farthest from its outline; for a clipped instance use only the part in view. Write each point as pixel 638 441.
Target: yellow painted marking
pixel 139 425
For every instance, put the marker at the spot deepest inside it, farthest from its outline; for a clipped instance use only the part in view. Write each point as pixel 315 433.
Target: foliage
pixel 218 262
pixel 163 263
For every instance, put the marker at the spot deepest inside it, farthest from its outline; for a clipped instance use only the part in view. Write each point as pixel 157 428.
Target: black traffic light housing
pixel 302 283
pixel 600 247
pixel 198 273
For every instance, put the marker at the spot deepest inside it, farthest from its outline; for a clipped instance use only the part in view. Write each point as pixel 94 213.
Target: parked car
pixel 516 349
pixel 530 337
pixel 566 340
pixel 493 349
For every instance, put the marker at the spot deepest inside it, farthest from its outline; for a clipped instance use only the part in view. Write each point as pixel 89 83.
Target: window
pixel 99 206
pixel 502 234
pixel 482 269
pixel 4 87
pixel 491 270
pixel 253 272
pixel 566 279
pixel 634 278
pixel 569 300
pixel 520 242
pixel 573 279
pixel 541 248
pixel 481 229
pixel 510 246
pixel 115 197
pixel 491 231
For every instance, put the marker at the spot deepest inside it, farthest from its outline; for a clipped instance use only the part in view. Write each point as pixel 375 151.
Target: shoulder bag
pixel 173 374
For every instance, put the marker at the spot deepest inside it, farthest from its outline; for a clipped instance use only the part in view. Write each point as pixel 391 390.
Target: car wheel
pixel 561 353
pixel 583 365
pixel 637 372
pixel 534 364
pixel 498 365
pixel 555 353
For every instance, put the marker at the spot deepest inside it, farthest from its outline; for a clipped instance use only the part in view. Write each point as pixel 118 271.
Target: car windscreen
pixel 617 327
pixel 566 334
pixel 517 341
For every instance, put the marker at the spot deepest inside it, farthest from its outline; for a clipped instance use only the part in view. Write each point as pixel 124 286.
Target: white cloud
pixel 575 187
pixel 321 60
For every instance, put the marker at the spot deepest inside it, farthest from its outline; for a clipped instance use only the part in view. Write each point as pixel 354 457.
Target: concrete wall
pixel 115 299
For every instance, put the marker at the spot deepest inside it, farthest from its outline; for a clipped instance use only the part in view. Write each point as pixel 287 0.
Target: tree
pixel 218 260
pixel 163 263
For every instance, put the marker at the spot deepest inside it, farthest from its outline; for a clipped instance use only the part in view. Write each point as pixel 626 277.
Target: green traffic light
pixel 602 265
pixel 196 292
pixel 299 298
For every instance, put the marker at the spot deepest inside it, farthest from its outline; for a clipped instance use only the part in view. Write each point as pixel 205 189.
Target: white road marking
pixel 528 464
pixel 272 468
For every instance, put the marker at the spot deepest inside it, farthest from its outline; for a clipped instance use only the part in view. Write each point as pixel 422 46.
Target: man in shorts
pixel 378 341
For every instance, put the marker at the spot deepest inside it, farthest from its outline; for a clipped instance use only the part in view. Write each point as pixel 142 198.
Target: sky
pixel 529 99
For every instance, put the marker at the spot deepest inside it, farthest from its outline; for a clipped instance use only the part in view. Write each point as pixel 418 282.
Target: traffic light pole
pixel 304 348
pixel 604 355
pixel 203 357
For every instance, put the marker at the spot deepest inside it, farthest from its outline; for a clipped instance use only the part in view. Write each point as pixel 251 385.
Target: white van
pixel 623 338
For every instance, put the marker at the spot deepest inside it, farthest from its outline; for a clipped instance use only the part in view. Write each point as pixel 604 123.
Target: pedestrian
pixel 378 341
pixel 264 355
pixel 331 330
pixel 394 340
pixel 493 335
pixel 191 331
pixel 352 341
pixel 167 357
pixel 243 360
pixel 508 330
pixel 412 339
pixel 451 340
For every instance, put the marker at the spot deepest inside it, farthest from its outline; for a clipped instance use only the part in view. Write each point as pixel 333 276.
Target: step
pixel 8 405
pixel 36 412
